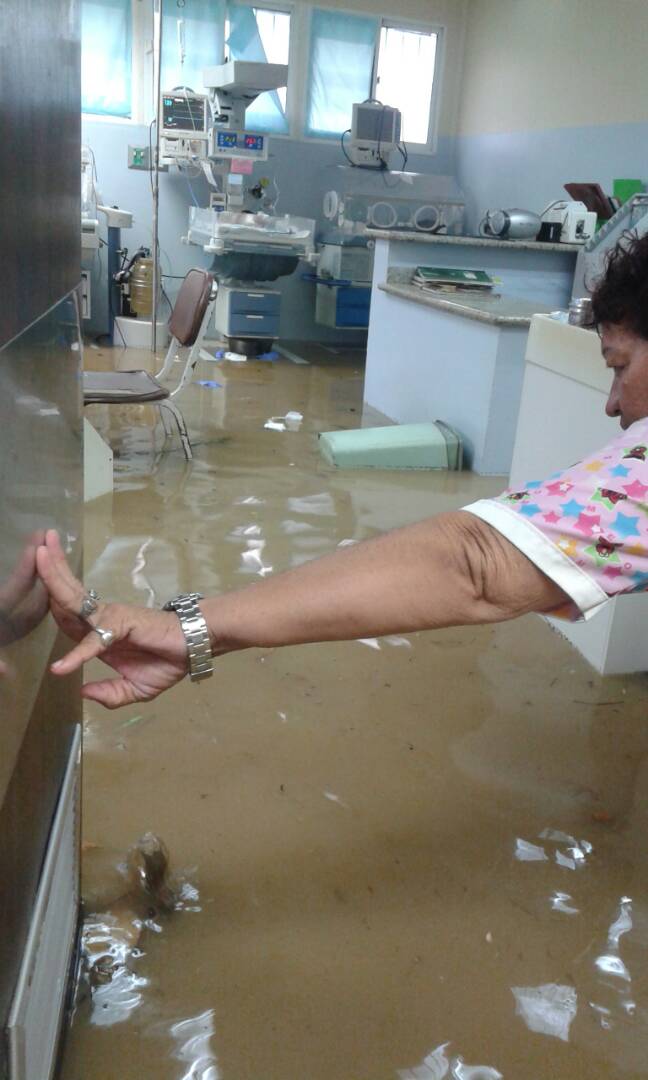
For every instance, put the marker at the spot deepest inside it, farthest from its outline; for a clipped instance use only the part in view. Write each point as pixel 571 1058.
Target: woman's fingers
pixel 53 568
pixel 111 693
pixel 66 592
pixel 87 649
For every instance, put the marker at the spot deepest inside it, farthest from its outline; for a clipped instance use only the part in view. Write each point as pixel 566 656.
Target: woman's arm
pixel 450 570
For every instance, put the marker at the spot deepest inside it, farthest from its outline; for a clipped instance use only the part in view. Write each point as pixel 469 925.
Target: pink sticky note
pixel 242 166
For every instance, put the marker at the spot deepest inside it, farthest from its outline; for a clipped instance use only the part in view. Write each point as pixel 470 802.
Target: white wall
pixel 534 64
pixel 553 91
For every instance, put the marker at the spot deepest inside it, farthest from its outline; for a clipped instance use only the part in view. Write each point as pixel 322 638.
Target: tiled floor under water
pixel 419 857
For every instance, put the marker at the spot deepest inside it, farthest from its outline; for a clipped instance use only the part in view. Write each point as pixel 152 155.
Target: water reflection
pixel 548 1009
pixel 131 898
pixel 23 597
pixel 23 605
pixel 438 1065
pixel 194 1048
pixel 354 810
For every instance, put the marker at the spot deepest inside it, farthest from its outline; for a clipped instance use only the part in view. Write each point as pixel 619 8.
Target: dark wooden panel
pixel 40 138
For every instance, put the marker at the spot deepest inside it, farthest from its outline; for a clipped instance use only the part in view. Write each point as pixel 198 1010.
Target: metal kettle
pixel 513 224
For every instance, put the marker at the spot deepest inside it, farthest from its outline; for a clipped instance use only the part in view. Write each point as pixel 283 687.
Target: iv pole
pixel 155 176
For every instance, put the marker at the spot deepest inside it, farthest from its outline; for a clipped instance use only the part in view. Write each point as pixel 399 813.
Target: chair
pixel 188 324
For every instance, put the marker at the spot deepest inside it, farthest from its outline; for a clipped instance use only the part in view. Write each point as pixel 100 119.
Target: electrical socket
pixel 139 157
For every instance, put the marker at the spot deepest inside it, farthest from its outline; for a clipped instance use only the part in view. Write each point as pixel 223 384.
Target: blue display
pixel 227 139
pixel 254 142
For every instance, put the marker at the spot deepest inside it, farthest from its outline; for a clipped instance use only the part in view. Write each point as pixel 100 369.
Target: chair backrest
pixel 190 306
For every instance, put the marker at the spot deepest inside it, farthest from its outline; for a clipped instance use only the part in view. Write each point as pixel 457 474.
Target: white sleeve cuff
pixel 543 553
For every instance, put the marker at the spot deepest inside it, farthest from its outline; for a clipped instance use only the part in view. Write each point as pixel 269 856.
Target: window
pixel 405 77
pixel 261 34
pixel 341 66
pixel 106 57
pixel 274 31
pixel 192 39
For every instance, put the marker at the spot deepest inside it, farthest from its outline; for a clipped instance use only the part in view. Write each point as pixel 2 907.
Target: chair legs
pixel 168 430
pixel 182 427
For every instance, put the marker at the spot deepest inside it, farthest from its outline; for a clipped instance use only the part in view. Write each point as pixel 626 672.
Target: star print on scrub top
pixel 636 452
pixel 603 553
pixel 560 487
pixel 594 542
pixel 636 490
pixel 572 508
pixel 624 525
pixel 608 497
pixel 588 524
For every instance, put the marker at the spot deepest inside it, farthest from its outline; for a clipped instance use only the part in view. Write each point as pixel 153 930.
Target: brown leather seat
pixel 106 387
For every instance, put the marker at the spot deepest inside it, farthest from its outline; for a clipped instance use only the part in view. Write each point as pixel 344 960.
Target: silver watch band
pixel 194 628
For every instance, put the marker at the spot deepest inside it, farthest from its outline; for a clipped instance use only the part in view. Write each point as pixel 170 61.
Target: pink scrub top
pixel 586 528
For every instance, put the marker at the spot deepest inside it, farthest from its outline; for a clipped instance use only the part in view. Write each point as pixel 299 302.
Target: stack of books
pixel 453 279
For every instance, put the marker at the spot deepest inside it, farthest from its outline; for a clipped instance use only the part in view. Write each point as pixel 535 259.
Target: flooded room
pixel 324 357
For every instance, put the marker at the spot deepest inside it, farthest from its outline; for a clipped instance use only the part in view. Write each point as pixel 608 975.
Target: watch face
pixel 179 601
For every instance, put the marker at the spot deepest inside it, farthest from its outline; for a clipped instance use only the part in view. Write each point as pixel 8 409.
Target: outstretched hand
pixel 148 650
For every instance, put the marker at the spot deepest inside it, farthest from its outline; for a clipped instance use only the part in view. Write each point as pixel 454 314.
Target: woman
pixel 563 546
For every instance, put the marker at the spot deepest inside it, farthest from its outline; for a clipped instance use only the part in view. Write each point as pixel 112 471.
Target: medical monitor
pixel 375 123
pixel 184 114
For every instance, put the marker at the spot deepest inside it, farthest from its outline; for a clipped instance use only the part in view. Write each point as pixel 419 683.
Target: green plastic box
pixel 398 446
pixel 625 189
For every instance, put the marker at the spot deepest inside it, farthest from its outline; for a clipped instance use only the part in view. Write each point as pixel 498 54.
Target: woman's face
pixel 627 354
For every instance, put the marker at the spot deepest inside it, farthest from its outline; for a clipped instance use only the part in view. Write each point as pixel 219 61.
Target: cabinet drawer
pixel 259 303
pixel 352 316
pixel 244 324
pixel 359 298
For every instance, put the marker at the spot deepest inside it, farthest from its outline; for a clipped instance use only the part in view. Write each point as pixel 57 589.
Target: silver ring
pixel 89 604
pixel 107 636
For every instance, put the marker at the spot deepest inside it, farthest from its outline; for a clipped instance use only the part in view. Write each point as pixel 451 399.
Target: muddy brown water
pixel 418 857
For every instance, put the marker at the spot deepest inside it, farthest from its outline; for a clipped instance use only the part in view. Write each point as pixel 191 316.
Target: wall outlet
pixel 139 157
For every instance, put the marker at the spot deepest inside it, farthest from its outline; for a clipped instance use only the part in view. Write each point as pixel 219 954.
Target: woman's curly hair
pixel 621 295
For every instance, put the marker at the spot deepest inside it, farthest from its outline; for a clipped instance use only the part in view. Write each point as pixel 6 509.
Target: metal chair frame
pixel 192 359
pixel 165 404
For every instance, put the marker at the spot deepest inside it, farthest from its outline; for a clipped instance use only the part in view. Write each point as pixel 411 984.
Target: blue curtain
pixel 341 61
pixel 106 57
pixel 244 43
pixel 204 29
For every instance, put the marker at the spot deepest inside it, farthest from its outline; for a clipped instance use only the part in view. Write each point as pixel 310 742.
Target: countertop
pixel 494 310
pixel 470 241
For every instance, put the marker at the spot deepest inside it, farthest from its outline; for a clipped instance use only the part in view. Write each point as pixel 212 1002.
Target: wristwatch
pixel 194 628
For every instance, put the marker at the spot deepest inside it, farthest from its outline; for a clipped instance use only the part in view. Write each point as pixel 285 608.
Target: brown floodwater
pixel 416 857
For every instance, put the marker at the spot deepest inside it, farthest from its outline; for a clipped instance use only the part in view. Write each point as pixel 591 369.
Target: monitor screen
pixel 375 123
pixel 184 112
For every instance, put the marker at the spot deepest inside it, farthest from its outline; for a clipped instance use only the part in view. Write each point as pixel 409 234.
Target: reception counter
pixel 457 357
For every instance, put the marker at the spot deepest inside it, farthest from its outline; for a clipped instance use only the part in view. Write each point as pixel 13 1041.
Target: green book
pixel 452 275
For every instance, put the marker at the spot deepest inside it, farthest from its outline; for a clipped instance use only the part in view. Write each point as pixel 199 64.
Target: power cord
pixel 150 142
pixel 347 132
pixel 114 316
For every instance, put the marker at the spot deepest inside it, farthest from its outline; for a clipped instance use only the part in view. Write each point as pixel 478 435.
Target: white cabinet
pixel 562 419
